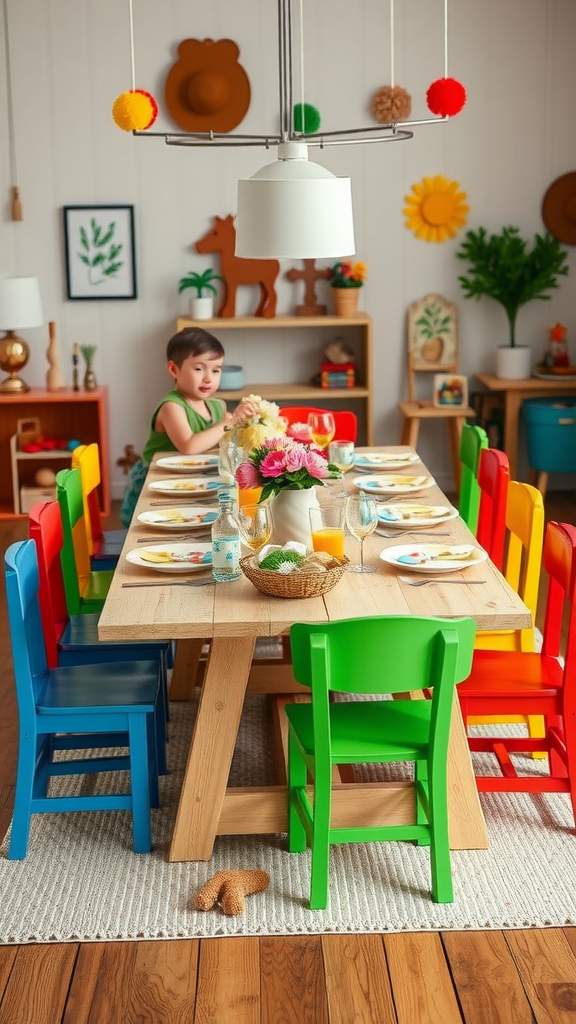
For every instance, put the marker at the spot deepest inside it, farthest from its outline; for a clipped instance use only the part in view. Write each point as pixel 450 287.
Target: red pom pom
pixel 446 97
pixel 153 104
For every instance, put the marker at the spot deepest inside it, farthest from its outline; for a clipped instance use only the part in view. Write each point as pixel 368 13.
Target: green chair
pixel 377 655
pixel 472 441
pixel 85 588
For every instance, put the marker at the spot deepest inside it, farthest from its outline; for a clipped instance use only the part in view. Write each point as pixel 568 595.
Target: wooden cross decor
pixel 310 275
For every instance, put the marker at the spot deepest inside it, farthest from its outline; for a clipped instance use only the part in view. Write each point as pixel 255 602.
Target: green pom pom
pixel 306 118
pixel 276 559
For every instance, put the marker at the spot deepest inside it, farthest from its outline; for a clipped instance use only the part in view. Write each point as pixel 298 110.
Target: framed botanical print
pixel 100 252
pixel 450 389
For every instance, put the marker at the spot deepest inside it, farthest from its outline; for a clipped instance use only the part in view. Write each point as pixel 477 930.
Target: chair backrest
pixel 493 480
pixel 560 563
pixel 472 441
pixel 525 537
pixel 75 557
pixel 432 332
pixel 345 421
pixel 86 458
pixel 45 529
pixel 28 654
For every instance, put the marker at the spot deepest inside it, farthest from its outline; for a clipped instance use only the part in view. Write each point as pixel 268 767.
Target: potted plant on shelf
pixel 502 267
pixel 347 278
pixel 201 306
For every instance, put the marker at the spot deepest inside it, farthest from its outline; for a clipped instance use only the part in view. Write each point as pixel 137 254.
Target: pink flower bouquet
pixel 283 463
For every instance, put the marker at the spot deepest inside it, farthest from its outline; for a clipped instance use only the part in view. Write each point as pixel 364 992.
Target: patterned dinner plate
pixel 186 517
pixel 409 514
pixel 433 558
pixel 189 463
pixel 374 461
pixel 180 558
pixel 390 483
pixel 197 486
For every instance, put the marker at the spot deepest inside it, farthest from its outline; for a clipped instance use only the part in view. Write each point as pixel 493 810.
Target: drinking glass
pixel 341 454
pixel 230 456
pixel 361 520
pixel 255 523
pixel 327 528
pixel 322 427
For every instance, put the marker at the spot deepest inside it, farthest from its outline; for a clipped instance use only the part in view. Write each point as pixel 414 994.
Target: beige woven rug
pixel 81 880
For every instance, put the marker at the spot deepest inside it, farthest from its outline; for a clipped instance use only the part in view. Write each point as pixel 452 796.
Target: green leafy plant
pixel 201 282
pixel 100 252
pixel 505 269
pixel 88 351
pixel 432 323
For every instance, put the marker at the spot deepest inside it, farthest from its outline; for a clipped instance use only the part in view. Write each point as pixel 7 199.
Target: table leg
pixel 511 421
pixel 186 661
pixel 211 748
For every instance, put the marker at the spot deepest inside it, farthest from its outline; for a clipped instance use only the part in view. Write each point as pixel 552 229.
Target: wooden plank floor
pixel 511 977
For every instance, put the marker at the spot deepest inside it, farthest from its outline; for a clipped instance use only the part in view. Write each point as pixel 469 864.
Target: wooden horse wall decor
pixel 236 271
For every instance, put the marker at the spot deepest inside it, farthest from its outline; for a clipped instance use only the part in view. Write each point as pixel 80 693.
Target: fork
pixel 202 582
pixel 422 583
pixel 178 537
pixel 402 533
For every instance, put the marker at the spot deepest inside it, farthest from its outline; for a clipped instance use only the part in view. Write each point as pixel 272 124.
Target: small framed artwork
pixel 99 251
pixel 450 389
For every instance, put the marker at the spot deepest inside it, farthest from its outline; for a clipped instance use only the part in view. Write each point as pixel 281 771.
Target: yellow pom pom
pixel 134 111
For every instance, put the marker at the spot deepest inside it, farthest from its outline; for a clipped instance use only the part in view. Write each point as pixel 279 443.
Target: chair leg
pixel 321 840
pixel 455 431
pixel 542 483
pixel 23 799
pixel 296 781
pixel 421 776
pixel 440 866
pixel 410 430
pixel 139 777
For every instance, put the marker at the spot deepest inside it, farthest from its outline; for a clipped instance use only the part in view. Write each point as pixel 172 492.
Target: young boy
pixel 187 420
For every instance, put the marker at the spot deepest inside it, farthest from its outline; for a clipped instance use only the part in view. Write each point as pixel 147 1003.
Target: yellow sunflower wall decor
pixel 436 209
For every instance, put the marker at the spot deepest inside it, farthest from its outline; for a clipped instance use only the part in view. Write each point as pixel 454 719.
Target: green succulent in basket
pixel 201 282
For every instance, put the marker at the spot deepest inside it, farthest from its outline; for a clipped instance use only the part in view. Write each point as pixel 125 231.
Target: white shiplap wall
pixel 71 58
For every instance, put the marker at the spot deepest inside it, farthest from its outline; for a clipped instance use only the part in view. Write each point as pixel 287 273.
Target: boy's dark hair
pixel 192 341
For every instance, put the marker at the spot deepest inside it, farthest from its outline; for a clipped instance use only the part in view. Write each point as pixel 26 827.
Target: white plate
pixel 187 517
pixel 406 514
pixel 189 463
pixel 554 376
pixel 136 557
pixel 372 461
pixel 195 486
pixel 400 555
pixel 389 483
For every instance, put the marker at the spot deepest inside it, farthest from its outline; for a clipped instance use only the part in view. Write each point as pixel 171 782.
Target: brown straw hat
pixel 559 208
pixel 207 89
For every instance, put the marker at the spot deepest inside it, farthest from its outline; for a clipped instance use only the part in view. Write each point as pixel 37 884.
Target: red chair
pixel 493 479
pixel 513 682
pixel 345 421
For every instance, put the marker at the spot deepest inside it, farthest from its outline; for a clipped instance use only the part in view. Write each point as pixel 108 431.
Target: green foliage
pixel 200 282
pixel 503 268
pixel 432 324
pixel 275 559
pixel 99 252
pixel 88 352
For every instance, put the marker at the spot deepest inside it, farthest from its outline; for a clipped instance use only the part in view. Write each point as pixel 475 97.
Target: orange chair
pixel 345 421
pixel 493 478
pixel 511 682
pixel 104 547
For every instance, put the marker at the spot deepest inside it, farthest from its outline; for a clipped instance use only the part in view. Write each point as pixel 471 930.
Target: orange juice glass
pixel 250 496
pixel 330 539
pixel 327 528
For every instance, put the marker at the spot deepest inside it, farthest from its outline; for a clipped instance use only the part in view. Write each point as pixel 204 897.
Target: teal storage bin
pixel 551 434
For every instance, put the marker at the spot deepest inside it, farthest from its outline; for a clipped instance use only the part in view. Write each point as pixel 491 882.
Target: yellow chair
pixel 104 546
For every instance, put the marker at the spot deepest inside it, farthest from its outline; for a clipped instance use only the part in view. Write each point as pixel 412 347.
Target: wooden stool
pixel 415 412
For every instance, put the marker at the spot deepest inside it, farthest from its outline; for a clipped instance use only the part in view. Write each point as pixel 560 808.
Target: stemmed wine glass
pixel 255 524
pixel 341 454
pixel 322 428
pixel 361 520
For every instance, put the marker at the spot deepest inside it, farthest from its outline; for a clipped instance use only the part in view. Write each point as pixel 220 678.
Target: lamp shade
pixel 20 303
pixel 293 209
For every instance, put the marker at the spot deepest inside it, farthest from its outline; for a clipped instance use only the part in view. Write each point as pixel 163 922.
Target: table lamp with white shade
pixel 20 307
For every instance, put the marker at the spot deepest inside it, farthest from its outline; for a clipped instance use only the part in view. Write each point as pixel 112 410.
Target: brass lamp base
pixel 14 354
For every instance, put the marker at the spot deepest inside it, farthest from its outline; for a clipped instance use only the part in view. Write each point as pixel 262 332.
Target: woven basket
pixel 295 584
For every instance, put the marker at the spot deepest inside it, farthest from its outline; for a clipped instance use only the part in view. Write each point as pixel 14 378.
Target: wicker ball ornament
pixel 134 111
pixel 391 104
pixel 446 97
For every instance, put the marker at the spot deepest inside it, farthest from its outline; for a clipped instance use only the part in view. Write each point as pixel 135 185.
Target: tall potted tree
pixel 504 268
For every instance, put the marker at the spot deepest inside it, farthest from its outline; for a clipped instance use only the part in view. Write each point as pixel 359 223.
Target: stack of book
pixel 337 375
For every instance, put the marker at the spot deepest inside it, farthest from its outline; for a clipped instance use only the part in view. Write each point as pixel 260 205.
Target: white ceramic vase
pixel 514 363
pixel 290 519
pixel 202 307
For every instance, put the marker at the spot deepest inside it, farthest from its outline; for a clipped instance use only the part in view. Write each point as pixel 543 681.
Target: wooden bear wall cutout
pixel 235 271
pixel 207 89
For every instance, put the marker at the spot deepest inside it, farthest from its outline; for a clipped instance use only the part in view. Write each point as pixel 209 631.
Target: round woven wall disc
pixel 559 208
pixel 207 89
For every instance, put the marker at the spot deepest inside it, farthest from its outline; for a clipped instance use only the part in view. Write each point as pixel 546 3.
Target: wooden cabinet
pixel 281 355
pixel 82 415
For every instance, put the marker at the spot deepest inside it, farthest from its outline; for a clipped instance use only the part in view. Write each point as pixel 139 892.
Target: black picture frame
pixel 100 253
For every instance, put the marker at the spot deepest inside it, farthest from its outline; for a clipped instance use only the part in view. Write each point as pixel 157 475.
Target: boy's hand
pixel 244 410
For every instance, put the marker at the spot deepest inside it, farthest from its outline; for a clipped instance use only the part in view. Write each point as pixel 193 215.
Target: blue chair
pixel 76 708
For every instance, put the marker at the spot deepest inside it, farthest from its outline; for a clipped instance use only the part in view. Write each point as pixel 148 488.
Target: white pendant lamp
pixel 294 209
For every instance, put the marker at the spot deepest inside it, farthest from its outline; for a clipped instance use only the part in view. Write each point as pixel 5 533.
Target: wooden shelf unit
pixel 82 415
pixel 356 332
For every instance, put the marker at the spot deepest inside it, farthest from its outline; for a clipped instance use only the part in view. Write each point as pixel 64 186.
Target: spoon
pixel 422 583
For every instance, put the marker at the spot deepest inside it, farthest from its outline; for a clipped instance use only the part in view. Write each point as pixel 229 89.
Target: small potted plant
pixel 504 268
pixel 347 278
pixel 201 306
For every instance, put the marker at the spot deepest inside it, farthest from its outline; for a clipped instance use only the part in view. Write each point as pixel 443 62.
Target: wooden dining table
pixel 232 616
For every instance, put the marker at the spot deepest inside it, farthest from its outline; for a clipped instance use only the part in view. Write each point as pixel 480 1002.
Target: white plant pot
pixel 514 363
pixel 290 519
pixel 202 308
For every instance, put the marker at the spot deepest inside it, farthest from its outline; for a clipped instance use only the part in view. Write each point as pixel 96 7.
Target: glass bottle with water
pixel 225 542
